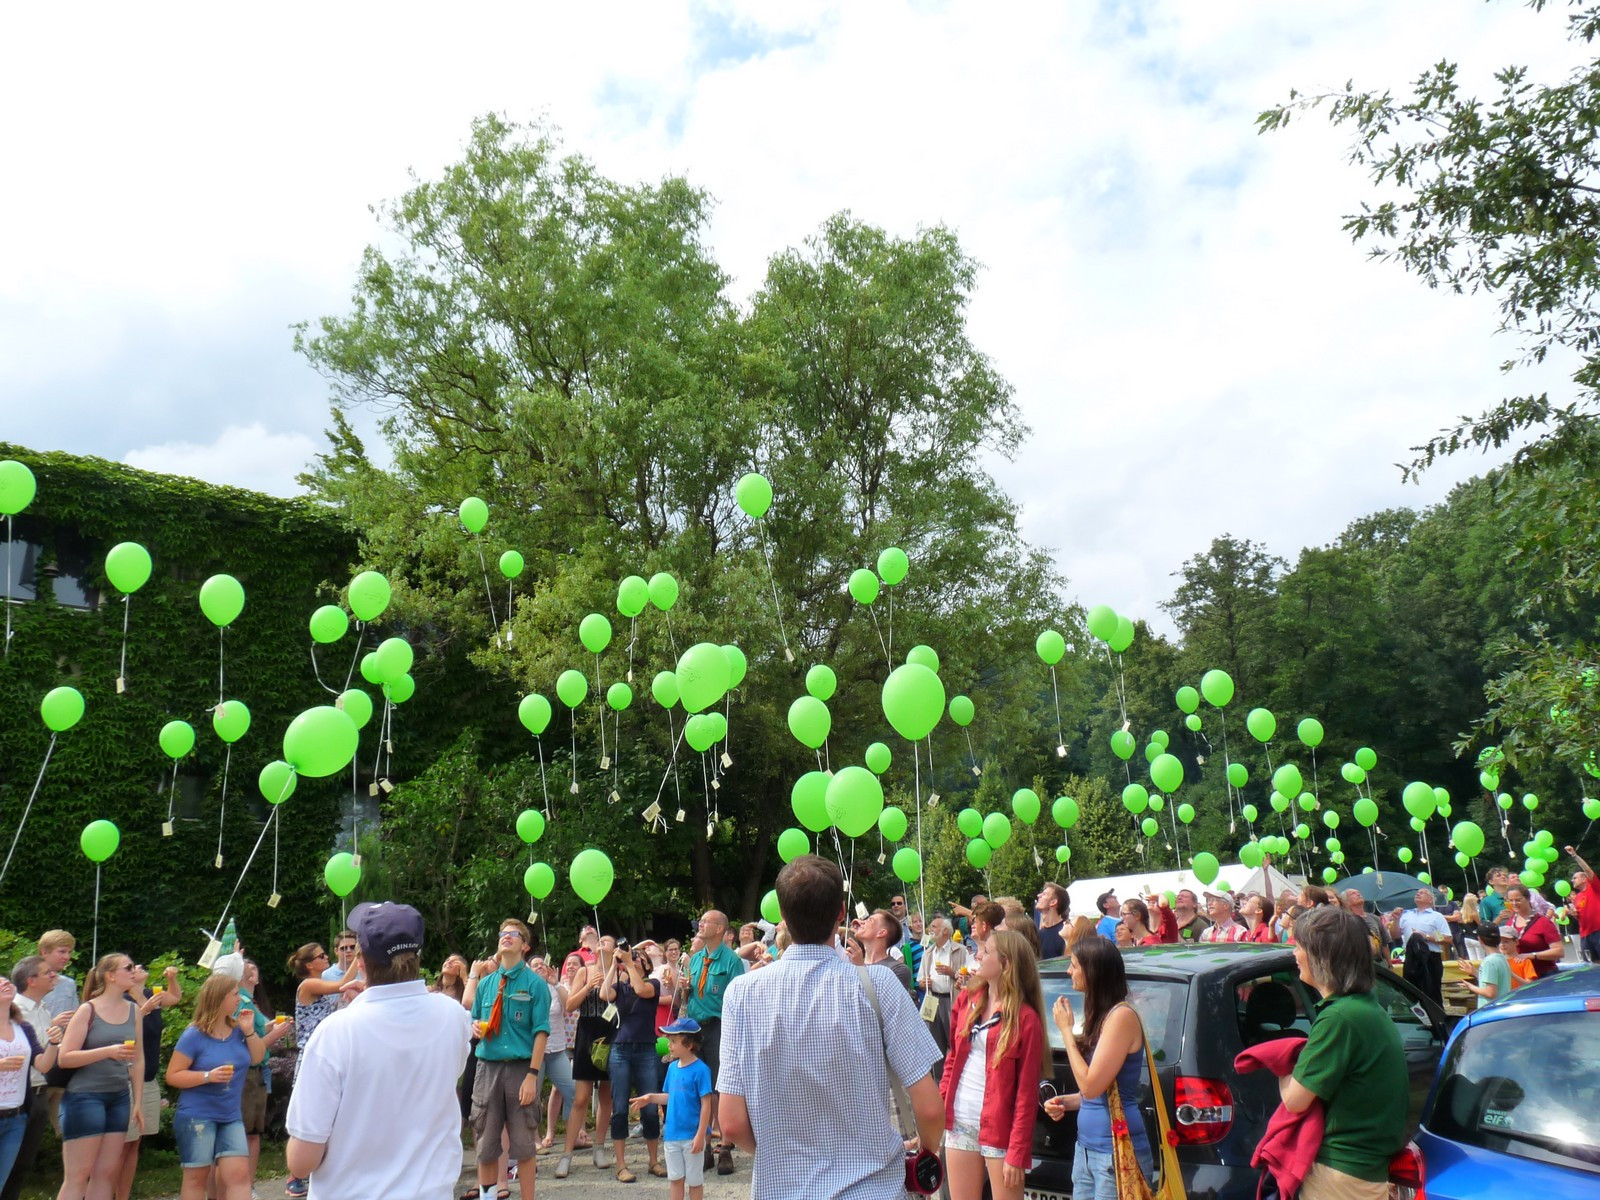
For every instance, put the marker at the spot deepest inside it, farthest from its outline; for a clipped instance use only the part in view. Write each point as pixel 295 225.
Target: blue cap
pixel 682 1025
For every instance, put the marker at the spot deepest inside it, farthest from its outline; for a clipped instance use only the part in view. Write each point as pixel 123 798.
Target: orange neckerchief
pixel 705 965
pixel 497 1011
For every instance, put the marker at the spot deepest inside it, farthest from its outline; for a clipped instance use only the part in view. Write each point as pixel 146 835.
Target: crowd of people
pixel 691 1047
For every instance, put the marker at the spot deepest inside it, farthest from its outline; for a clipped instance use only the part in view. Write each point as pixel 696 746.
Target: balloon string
pixel 972 756
pixel 315 670
pixel 29 806
pixel 1233 823
pixel 705 780
pixel 600 700
pixel 361 634
pixel 1061 745
pixel 222 814
pixel 883 645
pixel 172 790
pixel 271 820
pixel 676 737
pixel 671 637
pixel 777 608
pixel 221 629
pixel 274 849
pixel 94 952
pixel 543 787
pixel 122 662
pixel 922 875
pixel 890 590
pixel 572 724
pixel 7 653
pixel 616 746
pixel 488 590
pixel 511 595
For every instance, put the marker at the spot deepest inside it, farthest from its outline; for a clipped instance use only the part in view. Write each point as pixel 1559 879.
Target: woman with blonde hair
pixel 998 1055
pixel 208 1068
pixel 102 1045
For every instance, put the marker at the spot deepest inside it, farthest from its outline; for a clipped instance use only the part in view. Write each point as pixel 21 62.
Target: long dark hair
pixel 1105 984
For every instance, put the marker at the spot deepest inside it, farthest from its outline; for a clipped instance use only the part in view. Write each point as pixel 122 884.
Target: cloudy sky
pixel 1195 344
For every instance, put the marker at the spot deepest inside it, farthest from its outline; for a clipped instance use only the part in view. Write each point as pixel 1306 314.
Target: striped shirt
pixel 801 1044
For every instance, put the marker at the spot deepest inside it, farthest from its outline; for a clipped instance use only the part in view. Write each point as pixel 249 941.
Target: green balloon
pixel 863 586
pixel 1135 799
pixel 821 682
pixel 1167 773
pixel 664 687
pixel 619 696
pixel 368 596
pixel 924 656
pixel 230 720
pixel 341 874
pixel 1102 621
pixel 753 494
pixel 594 631
pixel 1065 812
pixel 99 840
pixel 1238 774
pixel 1160 738
pixel 1427 878
pixel 1489 780
pixel 1418 824
pixel 1250 854
pixel 893 565
pixel 738 665
pixel 703 675
pixel 127 567
pixel 1122 636
pixel 913 700
pixel 878 758
pixel 961 711
pixel 1187 698
pixel 855 798
pixel 1205 867
pixel 1261 724
pixel 319 742
pixel 530 826
pixel 1153 751
pixel 907 864
pixel 1334 845
pixel 1157 802
pixel 1365 812
pixel 792 843
pixel 719 725
pixel 770 911
pixel 1366 758
pixel 1217 687
pixel 809 799
pixel 511 564
pixel 1310 732
pixel 997 829
pixel 1308 802
pixel 1504 801
pixel 700 731
pixel 474 514
pixel 663 590
pixel 1591 809
pixel 1530 802
pixel 1149 827
pixel 571 687
pixel 222 600
pixel 1287 780
pixel 1025 804
pixel 1544 838
pixel 1330 819
pixel 392 659
pixel 1302 831
pixel 62 708
pixel 663 1047
pixel 633 593
pixel 592 876
pixel 1250 813
pixel 979 852
pixel 1050 646
pixel 398 691
pixel 176 738
pixel 328 624
pixel 1186 813
pixel 1122 744
pixel 1461 859
pixel 1063 854
pixel 1353 773
pixel 810 721
pixel 17 487
pixel 1280 802
pixel 1419 800
pixel 1468 838
pixel 1403 854
pixel 1329 874
pixel 277 782
pixel 1562 887
pixel 534 713
pixel 892 824
pixel 970 822
pixel 539 880
pixel 1192 722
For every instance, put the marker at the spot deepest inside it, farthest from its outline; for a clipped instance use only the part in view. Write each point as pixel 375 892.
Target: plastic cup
pixel 279 1019
pixel 482 1027
pixel 157 990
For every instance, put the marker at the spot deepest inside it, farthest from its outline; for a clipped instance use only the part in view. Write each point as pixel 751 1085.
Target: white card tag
pixel 533 918
pixel 372 788
pixel 716 785
pixel 727 760
pixel 356 859
pixel 933 800
pixel 386 786
pixel 1061 751
pixel 605 763
pixel 166 829
pixel 122 685
pixel 1038 859
pixel 880 858
pixel 630 674
pixel 654 811
pixel 861 910
pixel 976 769
pixel 679 817
pixel 509 632
pixel 574 788
pixel 218 863
pixel 609 1013
pixel 274 900
pixel 213 948
pixel 711 830
pixel 388 746
pixel 930 1007
pixel 788 654
pixel 614 797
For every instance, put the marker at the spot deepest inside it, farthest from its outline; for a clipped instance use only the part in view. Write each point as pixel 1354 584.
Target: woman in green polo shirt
pixel 1352 1062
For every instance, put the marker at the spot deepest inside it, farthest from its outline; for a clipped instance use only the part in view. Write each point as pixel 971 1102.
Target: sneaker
pixel 602 1160
pixel 296 1188
pixel 563 1165
pixel 725 1161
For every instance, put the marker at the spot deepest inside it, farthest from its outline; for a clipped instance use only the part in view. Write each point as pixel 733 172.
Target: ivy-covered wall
pixel 158 892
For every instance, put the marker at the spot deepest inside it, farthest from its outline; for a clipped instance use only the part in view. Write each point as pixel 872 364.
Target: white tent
pixel 1265 878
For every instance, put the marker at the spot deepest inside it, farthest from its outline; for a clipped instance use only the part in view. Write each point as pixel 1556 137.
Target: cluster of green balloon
pixel 319 742
pixel 222 600
pixel 1541 855
pixel 592 876
pixel 389 664
pixel 986 833
pixel 893 564
pixel 99 840
pixel 342 873
pixel 704 730
pixel 1115 631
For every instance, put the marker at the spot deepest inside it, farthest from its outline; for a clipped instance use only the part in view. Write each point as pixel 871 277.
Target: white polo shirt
pixel 377 1087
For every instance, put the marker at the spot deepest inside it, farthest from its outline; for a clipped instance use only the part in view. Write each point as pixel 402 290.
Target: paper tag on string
pixel 788 654
pixel 218 863
pixel 274 900
pixel 930 1008
pixel 711 830
pixel 716 785
pixel 166 829
pixel 880 858
pixel 1126 725
pixel 976 769
pixel 861 910
pixel 933 799
pixel 574 788
pixel 1061 751
pixel 1038 859
pixel 533 917
pixel 386 786
pixel 213 948
pixel 614 797
pixel 605 763
pixel 356 859
pixel 630 674
pixel 654 811
pixel 679 817
pixel 509 632
pixel 122 685
pixel 727 760
pixel 372 788
pixel 388 746
pixel 609 1013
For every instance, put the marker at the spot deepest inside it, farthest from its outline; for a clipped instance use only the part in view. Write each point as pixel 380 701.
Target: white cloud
pixel 245 456
pixel 1194 341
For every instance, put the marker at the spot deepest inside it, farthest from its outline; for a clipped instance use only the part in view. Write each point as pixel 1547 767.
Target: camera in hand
pixel 924 1172
pixel 622 944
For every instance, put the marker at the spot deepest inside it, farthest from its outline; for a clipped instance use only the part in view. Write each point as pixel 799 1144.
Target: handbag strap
pixel 900 1101
pixel 1170 1176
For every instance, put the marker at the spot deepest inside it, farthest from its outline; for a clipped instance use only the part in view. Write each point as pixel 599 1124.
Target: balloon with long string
pixel 863 587
pixel 738 667
pixel 633 594
pixel 913 700
pixel 473 514
pixel 961 712
pixel 17 489
pixel 127 570
pixel 60 710
pixel 534 712
pixel 221 600
pixel 276 783
pixel 1216 685
pixel 99 841
pixel 511 565
pixel 594 631
pixel 754 495
pixel 176 740
pixel 619 696
pixel 230 720
pixel 892 567
pixel 663 593
pixel 368 596
pixel 539 880
pixel 664 690
pixel 591 876
pixel 1050 646
pixel 572 687
pixel 357 705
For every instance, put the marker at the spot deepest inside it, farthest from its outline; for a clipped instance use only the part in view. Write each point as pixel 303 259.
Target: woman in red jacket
pixel 997 1057
pixel 1136 916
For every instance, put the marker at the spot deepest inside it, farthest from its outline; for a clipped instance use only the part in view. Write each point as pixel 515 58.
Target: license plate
pixel 1034 1194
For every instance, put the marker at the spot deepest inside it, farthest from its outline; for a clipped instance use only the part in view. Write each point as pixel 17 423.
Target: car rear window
pixel 1525 1086
pixel 1159 1003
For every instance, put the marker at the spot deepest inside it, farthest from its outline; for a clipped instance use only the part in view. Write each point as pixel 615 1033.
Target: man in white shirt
pixel 33 978
pixel 1219 910
pixel 1428 924
pixel 374 1113
pixel 941 965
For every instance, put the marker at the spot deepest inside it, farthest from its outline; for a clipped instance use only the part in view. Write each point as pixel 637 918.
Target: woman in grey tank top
pixel 101 1047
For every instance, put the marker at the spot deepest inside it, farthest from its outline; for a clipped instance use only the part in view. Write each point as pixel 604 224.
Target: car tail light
pixel 1204 1110
pixel 1407 1178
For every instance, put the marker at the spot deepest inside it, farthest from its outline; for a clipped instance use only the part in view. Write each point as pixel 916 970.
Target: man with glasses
pixel 712 968
pixel 56 947
pixel 346 947
pixel 33 978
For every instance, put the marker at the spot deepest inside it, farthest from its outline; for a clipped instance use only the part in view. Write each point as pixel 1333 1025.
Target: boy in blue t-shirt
pixel 688 1104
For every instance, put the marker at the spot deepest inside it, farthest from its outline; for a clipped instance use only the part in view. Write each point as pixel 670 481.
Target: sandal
pixel 626 1176
pixel 503 1194
pixel 472 1193
pixel 659 1171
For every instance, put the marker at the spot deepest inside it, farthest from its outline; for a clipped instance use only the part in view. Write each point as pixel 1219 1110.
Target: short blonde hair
pixel 54 939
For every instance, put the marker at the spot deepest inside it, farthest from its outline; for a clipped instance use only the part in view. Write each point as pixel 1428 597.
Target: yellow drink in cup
pixel 483 1028
pixel 279 1019
pixel 157 990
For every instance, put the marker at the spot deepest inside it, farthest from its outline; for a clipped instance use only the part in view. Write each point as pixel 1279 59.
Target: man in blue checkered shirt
pixel 805 1060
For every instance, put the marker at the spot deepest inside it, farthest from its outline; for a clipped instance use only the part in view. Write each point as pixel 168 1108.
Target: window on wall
pixel 69 570
pixel 42 556
pixel 19 563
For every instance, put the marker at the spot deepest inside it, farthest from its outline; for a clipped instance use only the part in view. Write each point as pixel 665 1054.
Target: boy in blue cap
pixel 688 1110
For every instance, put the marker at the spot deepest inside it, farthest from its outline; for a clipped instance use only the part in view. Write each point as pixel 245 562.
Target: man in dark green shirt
pixel 712 968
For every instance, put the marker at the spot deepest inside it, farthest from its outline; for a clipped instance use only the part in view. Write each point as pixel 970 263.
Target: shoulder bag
pixel 58 1076
pixel 1131 1183
pixel 924 1171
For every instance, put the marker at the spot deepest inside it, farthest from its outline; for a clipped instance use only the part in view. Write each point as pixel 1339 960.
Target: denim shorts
pixel 93 1114
pixel 681 1164
pixel 1094 1173
pixel 965 1137
pixel 202 1142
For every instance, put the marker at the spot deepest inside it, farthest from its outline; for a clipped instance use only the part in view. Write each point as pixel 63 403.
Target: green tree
pixel 1223 608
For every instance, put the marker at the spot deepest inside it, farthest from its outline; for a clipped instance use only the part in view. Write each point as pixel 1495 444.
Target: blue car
pixel 1515 1109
